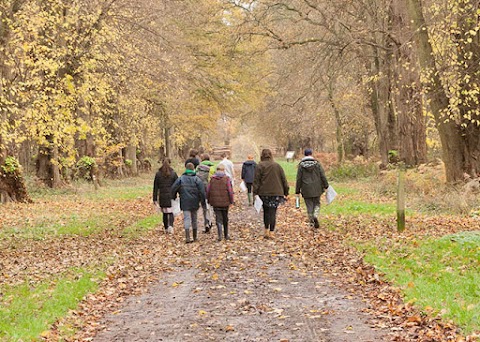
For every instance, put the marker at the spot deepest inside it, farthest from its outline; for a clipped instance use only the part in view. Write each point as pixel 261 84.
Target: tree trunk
pixel 378 105
pixel 43 171
pixel 47 164
pixel 468 47
pixel 338 124
pixel 407 101
pixel 131 155
pixel 54 164
pixel 379 102
pixel 453 147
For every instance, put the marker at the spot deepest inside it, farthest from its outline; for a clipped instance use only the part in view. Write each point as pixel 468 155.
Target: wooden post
pixel 401 198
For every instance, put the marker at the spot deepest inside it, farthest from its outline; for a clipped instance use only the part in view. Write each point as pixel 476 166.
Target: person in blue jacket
pixel 192 194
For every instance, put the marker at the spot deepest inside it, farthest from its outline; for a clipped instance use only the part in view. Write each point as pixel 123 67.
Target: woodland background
pixel 95 89
pixel 101 90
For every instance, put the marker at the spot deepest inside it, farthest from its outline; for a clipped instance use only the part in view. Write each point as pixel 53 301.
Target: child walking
pixel 192 193
pixel 220 197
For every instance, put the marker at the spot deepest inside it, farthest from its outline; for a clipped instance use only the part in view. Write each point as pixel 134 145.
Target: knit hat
pixel 308 152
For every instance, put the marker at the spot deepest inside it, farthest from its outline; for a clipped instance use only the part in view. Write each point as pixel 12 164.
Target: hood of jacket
pixel 219 175
pixel 308 163
pixel 207 162
pixel 250 162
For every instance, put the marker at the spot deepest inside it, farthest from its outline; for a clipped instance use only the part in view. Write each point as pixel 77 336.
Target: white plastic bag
pixel 243 186
pixel 258 203
pixel 176 207
pixel 330 194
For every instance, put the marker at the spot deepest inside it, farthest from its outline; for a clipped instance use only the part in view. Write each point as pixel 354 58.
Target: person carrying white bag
pixel 311 183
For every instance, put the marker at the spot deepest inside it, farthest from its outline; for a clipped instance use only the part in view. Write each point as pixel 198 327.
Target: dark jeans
pixel 221 219
pixel 313 206
pixel 167 220
pixel 269 217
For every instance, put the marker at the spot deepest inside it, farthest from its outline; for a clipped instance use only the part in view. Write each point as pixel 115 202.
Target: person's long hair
pixel 165 169
pixel 266 155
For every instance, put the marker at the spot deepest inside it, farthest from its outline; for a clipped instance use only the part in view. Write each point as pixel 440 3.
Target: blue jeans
pixel 190 219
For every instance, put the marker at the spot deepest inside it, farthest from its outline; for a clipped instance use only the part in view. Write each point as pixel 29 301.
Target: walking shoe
pixel 272 235
pixel 316 225
pixel 208 227
pixel 170 230
pixel 267 234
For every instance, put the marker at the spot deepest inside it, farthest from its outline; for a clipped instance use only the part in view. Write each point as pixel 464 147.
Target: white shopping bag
pixel 258 204
pixel 176 207
pixel 330 194
pixel 243 186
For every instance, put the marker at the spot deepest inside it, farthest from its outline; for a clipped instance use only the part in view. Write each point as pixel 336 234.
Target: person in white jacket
pixel 229 171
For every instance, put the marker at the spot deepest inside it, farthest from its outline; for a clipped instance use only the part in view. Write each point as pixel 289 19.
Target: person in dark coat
pixel 192 158
pixel 192 193
pixel 311 183
pixel 220 197
pixel 271 185
pixel 248 175
pixel 162 197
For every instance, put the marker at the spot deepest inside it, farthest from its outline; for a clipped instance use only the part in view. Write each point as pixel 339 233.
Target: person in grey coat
pixel 192 193
pixel 311 183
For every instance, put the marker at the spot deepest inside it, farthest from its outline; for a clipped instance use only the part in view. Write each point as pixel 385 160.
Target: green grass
pixel 121 193
pixel 440 275
pixel 26 311
pixel 353 207
pixel 69 225
pixel 143 226
pixel 120 189
pixel 344 204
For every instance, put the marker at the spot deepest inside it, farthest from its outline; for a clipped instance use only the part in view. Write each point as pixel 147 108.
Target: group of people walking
pixel 203 184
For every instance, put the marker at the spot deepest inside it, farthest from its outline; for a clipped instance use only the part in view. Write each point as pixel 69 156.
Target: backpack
pixel 203 172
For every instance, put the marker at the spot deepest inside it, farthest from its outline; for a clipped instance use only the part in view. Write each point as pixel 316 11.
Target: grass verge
pixel 26 311
pixel 143 226
pixel 439 275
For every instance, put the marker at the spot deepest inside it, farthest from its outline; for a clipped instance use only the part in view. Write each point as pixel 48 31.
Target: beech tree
pixel 362 32
pixel 111 81
pixel 453 93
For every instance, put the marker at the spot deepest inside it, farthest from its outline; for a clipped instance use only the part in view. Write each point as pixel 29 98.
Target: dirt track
pixel 247 289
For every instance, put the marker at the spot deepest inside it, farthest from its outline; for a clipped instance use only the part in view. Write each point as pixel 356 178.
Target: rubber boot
pixel 219 231
pixel 225 232
pixel 249 195
pixel 187 236
pixel 195 235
